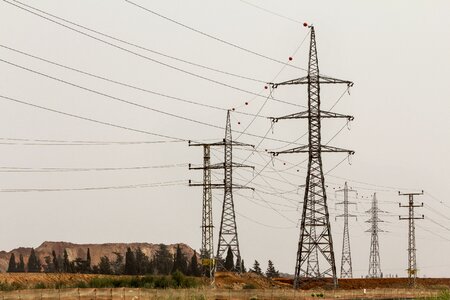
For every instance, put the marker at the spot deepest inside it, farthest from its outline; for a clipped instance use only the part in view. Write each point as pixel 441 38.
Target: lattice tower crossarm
pixel 374 257
pixel 346 257
pixel 315 231
pixel 412 263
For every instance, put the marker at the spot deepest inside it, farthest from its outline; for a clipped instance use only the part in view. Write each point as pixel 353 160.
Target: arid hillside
pixel 80 250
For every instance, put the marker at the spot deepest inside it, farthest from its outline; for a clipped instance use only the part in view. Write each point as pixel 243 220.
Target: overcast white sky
pixel 396 52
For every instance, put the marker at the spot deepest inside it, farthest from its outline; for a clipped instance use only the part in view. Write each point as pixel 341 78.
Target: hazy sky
pixel 396 52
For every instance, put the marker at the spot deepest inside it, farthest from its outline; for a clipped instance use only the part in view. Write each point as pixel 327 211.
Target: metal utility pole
pixel 315 232
pixel 374 257
pixel 228 237
pixel 346 258
pixel 412 264
pixel 207 249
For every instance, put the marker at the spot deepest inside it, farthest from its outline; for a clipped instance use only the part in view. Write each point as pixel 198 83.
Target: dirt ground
pixel 228 280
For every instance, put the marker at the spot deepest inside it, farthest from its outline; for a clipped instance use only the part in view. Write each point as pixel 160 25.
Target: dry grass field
pixel 227 286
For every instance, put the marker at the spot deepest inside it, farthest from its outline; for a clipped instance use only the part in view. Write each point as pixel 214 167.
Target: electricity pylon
pixel 412 265
pixel 315 232
pixel 346 258
pixel 228 236
pixel 374 257
pixel 207 249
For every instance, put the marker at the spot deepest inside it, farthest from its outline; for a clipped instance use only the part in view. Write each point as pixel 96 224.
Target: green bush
pixel 249 286
pixel 40 285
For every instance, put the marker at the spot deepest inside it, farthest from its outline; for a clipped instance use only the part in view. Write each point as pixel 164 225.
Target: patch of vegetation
pixel 249 286
pixel 40 286
pixel 177 280
pixel 5 286
pixel 443 295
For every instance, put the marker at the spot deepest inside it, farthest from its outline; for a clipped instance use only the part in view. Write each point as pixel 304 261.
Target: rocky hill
pixel 80 250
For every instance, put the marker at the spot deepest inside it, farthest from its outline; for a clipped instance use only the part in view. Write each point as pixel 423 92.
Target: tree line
pixel 133 262
pixel 230 265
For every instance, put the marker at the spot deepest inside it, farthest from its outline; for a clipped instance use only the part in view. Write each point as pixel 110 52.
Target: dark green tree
pixel 163 260
pixel 66 262
pixel 256 268
pixel 55 261
pixel 143 264
pixel 180 262
pixel 88 259
pixel 104 266
pixel 244 270
pixel 48 266
pixel 33 265
pixel 271 272
pixel 130 263
pixel 20 265
pixel 118 265
pixel 229 260
pixel 194 269
pixel 12 266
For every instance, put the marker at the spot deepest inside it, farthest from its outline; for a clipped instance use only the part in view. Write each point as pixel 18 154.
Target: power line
pixel 146 57
pixel 271 12
pixel 4 169
pixel 131 186
pixel 142 47
pixel 126 101
pixel 211 36
pixel 125 84
pixel 89 119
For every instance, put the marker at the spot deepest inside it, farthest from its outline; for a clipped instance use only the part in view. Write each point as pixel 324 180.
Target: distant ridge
pixel 80 250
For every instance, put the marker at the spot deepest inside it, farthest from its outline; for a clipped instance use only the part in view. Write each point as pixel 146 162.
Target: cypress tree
pixel 163 260
pixel 180 262
pixel 194 269
pixel 21 265
pixel 33 265
pixel 244 270
pixel 130 262
pixel 88 260
pixel 12 266
pixel 55 262
pixel 229 260
pixel 66 262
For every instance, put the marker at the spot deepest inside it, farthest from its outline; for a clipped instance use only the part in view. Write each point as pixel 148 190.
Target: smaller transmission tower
pixel 374 258
pixel 412 265
pixel 346 259
pixel 228 237
pixel 207 249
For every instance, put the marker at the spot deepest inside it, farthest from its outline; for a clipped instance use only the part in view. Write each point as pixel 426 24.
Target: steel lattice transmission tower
pixel 228 236
pixel 315 232
pixel 374 257
pixel 346 258
pixel 412 264
pixel 207 249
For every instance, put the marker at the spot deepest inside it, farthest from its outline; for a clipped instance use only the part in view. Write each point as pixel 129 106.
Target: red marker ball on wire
pixel 305 24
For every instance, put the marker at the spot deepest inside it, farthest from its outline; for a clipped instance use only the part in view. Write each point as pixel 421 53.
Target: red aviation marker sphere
pixel 305 24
